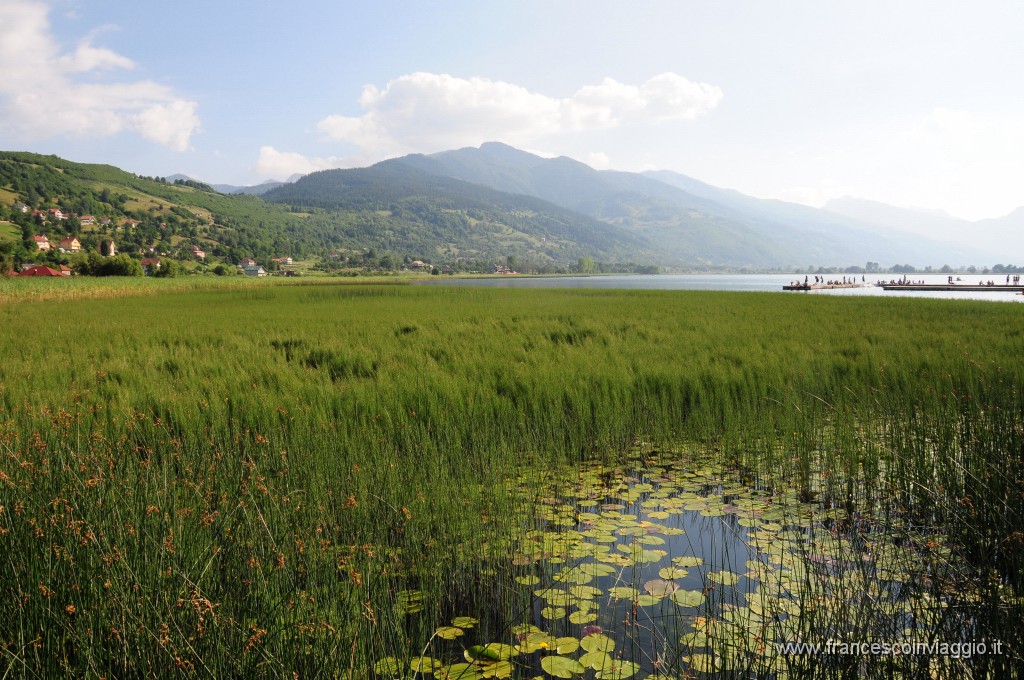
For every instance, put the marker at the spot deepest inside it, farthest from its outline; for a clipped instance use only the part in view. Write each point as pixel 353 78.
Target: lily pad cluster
pixel 655 571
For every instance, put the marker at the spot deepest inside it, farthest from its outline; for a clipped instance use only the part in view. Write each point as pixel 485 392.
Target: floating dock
pixel 964 287
pixel 823 286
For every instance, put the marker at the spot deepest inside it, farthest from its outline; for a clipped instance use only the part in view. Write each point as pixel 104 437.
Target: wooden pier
pixel 823 286
pixel 955 287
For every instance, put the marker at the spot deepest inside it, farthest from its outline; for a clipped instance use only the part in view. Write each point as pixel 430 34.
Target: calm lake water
pixel 739 282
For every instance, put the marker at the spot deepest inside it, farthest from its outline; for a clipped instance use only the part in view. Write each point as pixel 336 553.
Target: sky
pixel 914 103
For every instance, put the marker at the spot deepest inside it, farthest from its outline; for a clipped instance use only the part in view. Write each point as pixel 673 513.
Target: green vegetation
pixel 385 219
pixel 450 219
pixel 378 480
pixel 9 231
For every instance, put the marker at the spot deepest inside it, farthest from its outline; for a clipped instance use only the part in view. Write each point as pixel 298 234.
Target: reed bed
pixel 277 480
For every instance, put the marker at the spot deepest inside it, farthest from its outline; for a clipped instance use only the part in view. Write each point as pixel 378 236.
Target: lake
pixel 737 282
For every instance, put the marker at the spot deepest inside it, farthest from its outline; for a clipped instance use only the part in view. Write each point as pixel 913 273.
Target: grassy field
pixel 9 231
pixel 267 479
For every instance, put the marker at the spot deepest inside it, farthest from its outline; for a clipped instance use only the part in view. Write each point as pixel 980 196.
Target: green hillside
pixel 373 219
pixel 471 217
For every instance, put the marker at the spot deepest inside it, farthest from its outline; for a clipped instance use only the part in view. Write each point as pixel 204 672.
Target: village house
pixel 282 260
pixel 20 207
pixel 105 221
pixel 150 265
pixel 70 244
pixel 247 263
pixel 418 264
pixel 108 248
pixel 42 243
pixel 40 270
pixel 254 270
pixel 502 269
pixel 87 220
pixel 57 214
pixel 198 253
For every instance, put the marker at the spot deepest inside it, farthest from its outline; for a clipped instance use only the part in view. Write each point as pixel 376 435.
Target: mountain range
pixel 999 238
pixel 682 221
pixel 495 202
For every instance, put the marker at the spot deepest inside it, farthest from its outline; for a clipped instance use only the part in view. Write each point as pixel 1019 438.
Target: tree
pixel 6 257
pixel 168 269
pixel 586 265
pixel 119 265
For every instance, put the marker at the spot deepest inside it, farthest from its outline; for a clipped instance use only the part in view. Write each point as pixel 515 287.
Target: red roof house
pixel 39 270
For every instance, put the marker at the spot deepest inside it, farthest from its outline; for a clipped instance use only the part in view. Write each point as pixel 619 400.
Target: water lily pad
pixel 529 580
pixel 537 641
pixel 618 670
pixel 673 572
pixel 499 669
pixel 640 555
pixel 585 592
pixel 409 601
pixel 725 577
pixel 464 621
pixel 482 653
pixel 389 665
pixel 562 666
pixel 425 664
pixel 553 612
pixel 597 643
pixel 687 561
pixel 598 569
pixel 524 629
pixel 660 587
pixel 688 598
pixel 449 632
pixel 566 645
pixel 581 617
pixel 623 592
pixel 617 559
pixel 577 576
pixel 596 659
pixel 459 671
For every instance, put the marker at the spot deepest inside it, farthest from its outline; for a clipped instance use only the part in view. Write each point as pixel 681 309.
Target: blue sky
pixel 913 103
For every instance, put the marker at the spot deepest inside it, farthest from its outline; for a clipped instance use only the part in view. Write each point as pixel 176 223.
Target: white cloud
pixel 965 162
pixel 599 160
pixel 280 165
pixel 46 92
pixel 427 112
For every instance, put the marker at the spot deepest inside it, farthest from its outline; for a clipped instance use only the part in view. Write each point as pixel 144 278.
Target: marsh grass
pixel 256 480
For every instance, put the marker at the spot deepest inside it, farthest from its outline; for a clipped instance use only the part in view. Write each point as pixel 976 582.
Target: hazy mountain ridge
pixel 690 221
pixel 253 189
pixel 1001 237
